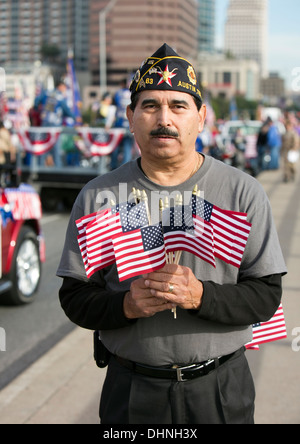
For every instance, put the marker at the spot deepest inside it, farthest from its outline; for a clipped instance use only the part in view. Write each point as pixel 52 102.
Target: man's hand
pixel 151 294
pixel 139 302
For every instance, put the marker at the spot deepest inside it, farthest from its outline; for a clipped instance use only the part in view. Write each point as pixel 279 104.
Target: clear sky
pixel 284 35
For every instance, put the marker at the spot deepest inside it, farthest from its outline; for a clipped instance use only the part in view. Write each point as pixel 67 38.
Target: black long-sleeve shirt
pixel 246 303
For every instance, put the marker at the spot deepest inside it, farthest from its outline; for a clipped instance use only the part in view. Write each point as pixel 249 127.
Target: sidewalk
pixel 63 386
pixel 276 366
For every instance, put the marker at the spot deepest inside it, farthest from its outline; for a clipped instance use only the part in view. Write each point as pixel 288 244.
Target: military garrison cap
pixel 166 70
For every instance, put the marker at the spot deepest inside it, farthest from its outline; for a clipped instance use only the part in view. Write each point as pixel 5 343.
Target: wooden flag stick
pixel 170 255
pixel 162 206
pixel 176 260
pixel 178 203
pixel 144 198
pixel 134 193
pixel 161 209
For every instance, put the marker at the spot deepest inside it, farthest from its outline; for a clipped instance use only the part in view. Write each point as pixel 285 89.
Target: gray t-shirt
pixel 162 340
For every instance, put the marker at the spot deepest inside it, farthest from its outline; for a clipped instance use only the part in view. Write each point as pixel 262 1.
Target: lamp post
pixel 102 36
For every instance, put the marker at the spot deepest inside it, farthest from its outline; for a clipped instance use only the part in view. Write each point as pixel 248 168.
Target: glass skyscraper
pixel 206 27
pixel 26 25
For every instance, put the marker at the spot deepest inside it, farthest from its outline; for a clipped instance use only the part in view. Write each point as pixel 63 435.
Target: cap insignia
pixel 166 75
pixel 192 75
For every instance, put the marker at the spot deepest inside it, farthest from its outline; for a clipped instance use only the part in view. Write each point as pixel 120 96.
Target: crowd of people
pixel 51 109
pixel 274 145
pixel 275 149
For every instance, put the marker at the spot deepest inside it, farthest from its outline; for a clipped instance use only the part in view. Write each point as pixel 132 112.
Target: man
pixel 189 370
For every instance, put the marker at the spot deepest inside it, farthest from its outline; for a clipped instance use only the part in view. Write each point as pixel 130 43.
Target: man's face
pixel 166 124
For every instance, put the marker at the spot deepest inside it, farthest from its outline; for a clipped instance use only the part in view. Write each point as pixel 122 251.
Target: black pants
pixel 225 396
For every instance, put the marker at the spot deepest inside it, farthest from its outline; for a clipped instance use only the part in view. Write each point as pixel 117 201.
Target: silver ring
pixel 171 288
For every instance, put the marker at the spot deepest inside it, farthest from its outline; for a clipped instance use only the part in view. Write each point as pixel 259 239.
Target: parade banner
pixel 96 141
pixel 39 141
pixel 100 142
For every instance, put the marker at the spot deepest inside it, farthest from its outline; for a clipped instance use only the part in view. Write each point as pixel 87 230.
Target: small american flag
pixel 132 216
pixel 273 330
pixel 185 232
pixel 231 230
pixel 140 251
pixel 104 255
pixel 97 230
pixel 99 247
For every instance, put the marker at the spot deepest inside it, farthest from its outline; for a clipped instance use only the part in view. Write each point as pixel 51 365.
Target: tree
pixel 50 52
pixel 221 107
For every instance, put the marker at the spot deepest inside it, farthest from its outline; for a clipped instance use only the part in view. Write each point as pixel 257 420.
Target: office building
pixel 246 31
pixel 135 29
pixel 29 25
pixel 273 88
pixel 227 78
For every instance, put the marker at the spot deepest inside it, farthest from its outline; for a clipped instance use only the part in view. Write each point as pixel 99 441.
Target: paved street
pixel 64 386
pixel 32 329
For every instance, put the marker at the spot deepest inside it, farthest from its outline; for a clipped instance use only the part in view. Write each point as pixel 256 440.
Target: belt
pixel 177 373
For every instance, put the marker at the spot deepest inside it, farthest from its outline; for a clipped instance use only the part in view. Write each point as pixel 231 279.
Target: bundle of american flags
pixel 124 235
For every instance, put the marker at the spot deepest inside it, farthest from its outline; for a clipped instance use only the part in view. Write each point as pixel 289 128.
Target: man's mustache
pixel 164 132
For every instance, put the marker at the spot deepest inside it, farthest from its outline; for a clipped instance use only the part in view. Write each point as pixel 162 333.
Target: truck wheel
pixel 25 273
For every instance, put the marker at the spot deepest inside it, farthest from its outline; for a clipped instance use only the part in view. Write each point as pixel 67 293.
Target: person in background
pixel 54 111
pixel 290 152
pixel 121 101
pixel 35 115
pixel 106 112
pixel 274 144
pixel 7 155
pixel 262 149
pixel 7 148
